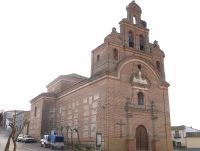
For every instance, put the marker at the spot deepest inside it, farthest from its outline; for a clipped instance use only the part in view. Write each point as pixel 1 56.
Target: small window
pixel 134 20
pixel 139 67
pixel 177 134
pixel 130 39
pixel 35 111
pixel 158 66
pixel 115 54
pixel 98 58
pixel 142 43
pixel 140 98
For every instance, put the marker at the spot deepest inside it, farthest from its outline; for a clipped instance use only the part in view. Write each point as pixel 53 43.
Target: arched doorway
pixel 141 138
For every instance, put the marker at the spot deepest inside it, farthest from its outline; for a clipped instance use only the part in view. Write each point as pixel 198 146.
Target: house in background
pixel 185 137
pixel 7 122
pixel 21 117
pixel 1 117
pixel 8 117
pixel 193 139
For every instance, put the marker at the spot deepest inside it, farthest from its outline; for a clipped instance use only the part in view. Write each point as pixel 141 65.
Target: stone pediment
pixel 140 80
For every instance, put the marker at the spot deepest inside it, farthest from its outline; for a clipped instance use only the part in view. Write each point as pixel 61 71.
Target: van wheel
pixel 52 147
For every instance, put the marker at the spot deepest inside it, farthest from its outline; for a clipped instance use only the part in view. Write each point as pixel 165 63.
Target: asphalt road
pixel 20 146
pixel 28 146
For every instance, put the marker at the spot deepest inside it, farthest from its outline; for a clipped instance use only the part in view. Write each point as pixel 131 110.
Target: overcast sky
pixel 42 39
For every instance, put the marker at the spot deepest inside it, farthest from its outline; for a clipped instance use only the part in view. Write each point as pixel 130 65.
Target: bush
pixel 84 147
pixel 77 146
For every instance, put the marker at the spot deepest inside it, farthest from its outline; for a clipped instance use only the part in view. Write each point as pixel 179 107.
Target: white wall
pixel 193 142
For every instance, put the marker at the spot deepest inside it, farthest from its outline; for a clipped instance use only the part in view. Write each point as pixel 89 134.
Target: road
pixel 28 146
pixel 20 146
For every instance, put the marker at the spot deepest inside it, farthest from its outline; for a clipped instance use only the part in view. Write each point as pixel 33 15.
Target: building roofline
pixel 64 77
pixel 41 95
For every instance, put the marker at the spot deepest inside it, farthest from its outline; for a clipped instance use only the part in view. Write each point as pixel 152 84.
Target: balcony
pixel 152 109
pixel 177 136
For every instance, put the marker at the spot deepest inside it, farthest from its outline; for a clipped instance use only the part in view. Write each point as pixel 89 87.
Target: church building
pixel 124 103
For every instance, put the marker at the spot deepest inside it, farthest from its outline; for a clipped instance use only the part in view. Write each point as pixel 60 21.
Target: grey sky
pixel 42 39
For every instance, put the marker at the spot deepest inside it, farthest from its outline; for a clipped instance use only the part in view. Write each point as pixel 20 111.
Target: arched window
pixel 140 96
pixel 130 39
pixel 158 66
pixel 142 43
pixel 134 20
pixel 115 54
pixel 139 66
pixel 141 138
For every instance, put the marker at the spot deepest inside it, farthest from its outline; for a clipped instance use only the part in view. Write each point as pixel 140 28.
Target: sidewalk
pixel 3 138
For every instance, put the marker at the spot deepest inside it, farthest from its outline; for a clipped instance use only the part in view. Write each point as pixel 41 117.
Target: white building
pixel 8 117
pixel 1 117
pixel 181 136
pixel 21 117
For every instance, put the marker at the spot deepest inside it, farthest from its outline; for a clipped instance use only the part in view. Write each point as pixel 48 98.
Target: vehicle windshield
pixel 27 136
pixel 59 139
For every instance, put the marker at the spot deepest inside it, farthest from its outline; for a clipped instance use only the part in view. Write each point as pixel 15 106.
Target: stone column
pixel 137 41
pixel 131 142
pixel 147 43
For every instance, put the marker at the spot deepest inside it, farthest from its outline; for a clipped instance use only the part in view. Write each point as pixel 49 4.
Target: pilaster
pixel 155 145
pixel 131 145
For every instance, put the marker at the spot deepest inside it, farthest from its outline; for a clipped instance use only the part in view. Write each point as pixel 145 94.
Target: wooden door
pixel 141 139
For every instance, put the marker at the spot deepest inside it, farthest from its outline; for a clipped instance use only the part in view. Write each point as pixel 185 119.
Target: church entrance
pixel 141 139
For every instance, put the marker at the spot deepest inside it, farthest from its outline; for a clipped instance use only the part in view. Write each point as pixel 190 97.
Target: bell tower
pixel 135 74
pixel 134 13
pixel 134 30
pixel 132 40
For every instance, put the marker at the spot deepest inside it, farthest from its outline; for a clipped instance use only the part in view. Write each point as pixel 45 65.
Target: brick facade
pixel 125 99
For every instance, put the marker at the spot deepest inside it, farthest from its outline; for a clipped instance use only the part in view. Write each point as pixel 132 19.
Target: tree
pixel 72 130
pixel 77 133
pixel 67 130
pixel 26 122
pixel 61 130
pixel 13 134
